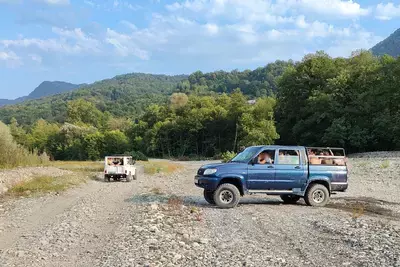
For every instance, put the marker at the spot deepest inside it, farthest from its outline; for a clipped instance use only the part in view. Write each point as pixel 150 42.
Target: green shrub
pixel 137 155
pixel 13 155
pixel 227 156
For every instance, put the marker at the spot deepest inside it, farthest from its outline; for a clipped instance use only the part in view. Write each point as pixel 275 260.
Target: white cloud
pixel 124 45
pixel 129 24
pixel 36 58
pixel 358 40
pixel 10 58
pixel 337 8
pixel 88 2
pixel 211 28
pixel 73 41
pixel 54 2
pixel 387 11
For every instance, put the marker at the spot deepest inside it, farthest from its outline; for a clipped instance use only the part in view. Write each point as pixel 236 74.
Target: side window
pixel 291 157
pixel 266 157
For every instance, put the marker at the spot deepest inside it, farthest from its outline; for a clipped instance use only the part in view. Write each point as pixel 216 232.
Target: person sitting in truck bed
pixel 327 161
pixel 312 158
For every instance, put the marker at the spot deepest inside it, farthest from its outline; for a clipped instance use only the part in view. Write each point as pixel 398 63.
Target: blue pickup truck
pixel 292 172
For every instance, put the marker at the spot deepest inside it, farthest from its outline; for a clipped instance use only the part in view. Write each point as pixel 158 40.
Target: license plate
pixel 196 179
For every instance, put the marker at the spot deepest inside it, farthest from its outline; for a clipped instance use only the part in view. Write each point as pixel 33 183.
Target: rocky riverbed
pixel 162 220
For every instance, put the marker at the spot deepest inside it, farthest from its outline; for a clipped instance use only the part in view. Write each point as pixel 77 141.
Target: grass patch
pixel 385 164
pixel 45 184
pixel 156 191
pixel 81 166
pixel 153 167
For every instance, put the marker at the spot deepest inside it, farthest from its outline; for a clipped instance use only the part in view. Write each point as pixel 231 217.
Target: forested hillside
pixel 257 83
pixel 389 46
pixel 352 103
pixel 122 96
pixel 128 95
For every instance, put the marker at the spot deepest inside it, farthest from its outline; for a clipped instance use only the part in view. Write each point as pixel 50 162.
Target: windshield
pixel 246 155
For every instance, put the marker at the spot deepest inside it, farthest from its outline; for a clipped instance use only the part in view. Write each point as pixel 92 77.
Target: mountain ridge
pixel 389 46
pixel 44 89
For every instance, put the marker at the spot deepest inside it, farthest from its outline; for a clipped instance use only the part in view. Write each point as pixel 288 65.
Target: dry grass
pixel 81 166
pixel 385 164
pixel 13 155
pixel 45 184
pixel 156 191
pixel 153 167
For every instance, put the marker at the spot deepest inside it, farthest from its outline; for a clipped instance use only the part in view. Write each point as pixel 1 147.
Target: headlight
pixel 210 171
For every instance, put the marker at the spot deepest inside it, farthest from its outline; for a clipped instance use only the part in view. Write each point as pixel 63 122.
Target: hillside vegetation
pixel 122 96
pixel 13 155
pixel 389 46
pixel 320 101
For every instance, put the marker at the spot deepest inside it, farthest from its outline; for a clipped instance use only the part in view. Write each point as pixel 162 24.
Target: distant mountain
pixel 46 88
pixel 123 96
pixel 390 45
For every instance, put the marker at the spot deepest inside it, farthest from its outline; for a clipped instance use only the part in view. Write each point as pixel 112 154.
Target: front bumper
pixel 206 182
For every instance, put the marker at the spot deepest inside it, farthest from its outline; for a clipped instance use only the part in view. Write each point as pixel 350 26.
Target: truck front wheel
pixel 209 197
pixel 317 195
pixel 227 196
pixel 290 199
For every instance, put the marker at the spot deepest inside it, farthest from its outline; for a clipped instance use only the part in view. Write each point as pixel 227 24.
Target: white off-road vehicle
pixel 117 167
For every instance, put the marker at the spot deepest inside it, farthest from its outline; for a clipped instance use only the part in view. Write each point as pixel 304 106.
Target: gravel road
pixel 162 220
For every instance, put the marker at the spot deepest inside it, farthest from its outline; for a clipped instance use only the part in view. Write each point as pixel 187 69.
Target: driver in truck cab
pixel 264 158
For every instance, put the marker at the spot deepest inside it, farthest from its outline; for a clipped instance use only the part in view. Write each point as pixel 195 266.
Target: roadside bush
pixel 227 156
pixel 137 155
pixel 14 155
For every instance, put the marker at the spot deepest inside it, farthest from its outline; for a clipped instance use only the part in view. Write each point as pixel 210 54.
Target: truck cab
pixel 292 172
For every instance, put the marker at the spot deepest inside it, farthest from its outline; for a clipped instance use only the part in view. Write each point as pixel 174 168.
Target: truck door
pixel 261 173
pixel 291 169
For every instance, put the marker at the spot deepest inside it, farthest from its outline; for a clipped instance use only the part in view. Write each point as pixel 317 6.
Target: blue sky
pixel 81 41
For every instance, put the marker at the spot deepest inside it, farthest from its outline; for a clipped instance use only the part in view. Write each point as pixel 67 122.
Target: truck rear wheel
pixel 209 196
pixel 227 196
pixel 290 199
pixel 317 195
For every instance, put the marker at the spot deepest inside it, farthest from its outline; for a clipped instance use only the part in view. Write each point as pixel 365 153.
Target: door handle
pixel 297 167
pixel 270 167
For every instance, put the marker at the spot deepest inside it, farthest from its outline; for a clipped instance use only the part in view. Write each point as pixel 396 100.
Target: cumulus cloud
pixel 124 45
pixel 387 11
pixel 211 28
pixel 54 2
pixel 36 58
pixel 336 8
pixel 10 59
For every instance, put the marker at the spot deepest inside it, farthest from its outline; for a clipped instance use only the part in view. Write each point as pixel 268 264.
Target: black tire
pixel 106 179
pixel 317 195
pixel 209 197
pixel 227 196
pixel 290 199
pixel 135 176
pixel 129 178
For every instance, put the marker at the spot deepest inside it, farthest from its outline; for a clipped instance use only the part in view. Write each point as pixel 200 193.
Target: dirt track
pixel 143 224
